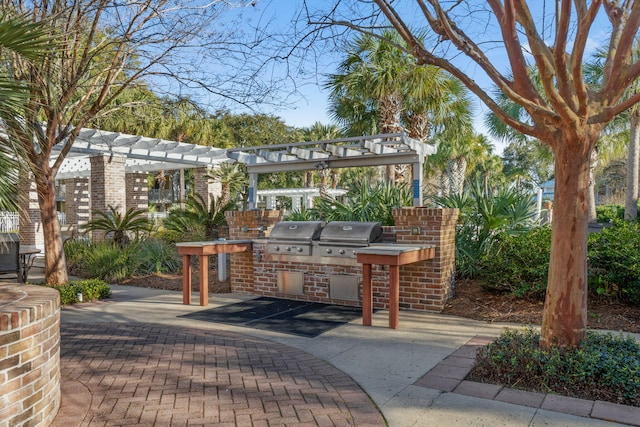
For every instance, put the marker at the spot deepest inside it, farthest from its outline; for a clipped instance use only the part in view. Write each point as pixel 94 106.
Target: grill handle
pixel 245 229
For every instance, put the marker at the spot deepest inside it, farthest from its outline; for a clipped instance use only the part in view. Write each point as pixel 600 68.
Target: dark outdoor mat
pixel 306 319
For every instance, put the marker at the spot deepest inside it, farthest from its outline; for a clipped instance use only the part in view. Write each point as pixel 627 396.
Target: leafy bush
pixel 485 214
pixel 91 290
pixel 111 262
pixel 603 367
pixel 614 262
pixel 518 264
pixel 609 213
pixel 158 257
pixel 75 252
pixel 364 201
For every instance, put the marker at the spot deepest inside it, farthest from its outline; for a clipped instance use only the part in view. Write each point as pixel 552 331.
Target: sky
pixel 312 104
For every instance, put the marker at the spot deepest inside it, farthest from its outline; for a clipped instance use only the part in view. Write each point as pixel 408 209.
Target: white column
pixel 417 183
pixel 253 190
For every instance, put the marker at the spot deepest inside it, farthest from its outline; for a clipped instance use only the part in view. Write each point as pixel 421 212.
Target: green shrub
pixel 111 262
pixel 609 213
pixel 75 252
pixel 91 290
pixel 158 257
pixel 518 265
pixel 603 367
pixel 614 262
pixel 485 214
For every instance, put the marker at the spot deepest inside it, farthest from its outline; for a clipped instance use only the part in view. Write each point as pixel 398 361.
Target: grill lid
pixel 352 232
pixel 296 231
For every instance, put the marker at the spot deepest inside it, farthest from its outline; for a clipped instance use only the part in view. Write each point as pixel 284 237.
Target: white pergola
pixel 300 197
pixel 377 150
pixel 142 154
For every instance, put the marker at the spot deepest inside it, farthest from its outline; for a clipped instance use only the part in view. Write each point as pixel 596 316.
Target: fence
pixel 10 221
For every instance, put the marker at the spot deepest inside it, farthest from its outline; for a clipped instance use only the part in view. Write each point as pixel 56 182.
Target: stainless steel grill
pixel 293 237
pixel 314 239
pixel 343 238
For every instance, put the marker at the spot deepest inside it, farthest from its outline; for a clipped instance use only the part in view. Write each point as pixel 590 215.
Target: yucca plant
pixel 364 202
pixel 118 225
pixel 485 213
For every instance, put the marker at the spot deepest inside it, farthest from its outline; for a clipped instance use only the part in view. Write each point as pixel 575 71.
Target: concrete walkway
pixel 119 357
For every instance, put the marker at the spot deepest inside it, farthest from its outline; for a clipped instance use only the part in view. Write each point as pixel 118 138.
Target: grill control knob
pixel 300 249
pixel 288 249
pixel 276 248
pixel 328 250
pixel 341 251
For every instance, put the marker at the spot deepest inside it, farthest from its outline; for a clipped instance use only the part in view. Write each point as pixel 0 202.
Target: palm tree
pixel 320 132
pixel 371 83
pixel 118 225
pixel 625 127
pixel 233 179
pixel 211 216
pixel 379 88
pixel 31 41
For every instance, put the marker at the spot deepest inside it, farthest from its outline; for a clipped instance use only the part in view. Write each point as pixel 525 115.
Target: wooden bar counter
pixel 394 256
pixel 203 250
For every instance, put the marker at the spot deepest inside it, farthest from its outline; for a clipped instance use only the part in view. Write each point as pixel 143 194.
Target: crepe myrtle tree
pixel 106 47
pixel 497 41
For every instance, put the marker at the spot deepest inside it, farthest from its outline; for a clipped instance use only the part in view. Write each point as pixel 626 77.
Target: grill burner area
pixel 312 239
pixel 293 237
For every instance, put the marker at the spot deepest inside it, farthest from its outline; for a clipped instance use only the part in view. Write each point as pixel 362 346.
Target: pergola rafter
pixel 385 149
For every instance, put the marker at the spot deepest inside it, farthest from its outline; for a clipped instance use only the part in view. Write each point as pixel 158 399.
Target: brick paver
pixel 143 374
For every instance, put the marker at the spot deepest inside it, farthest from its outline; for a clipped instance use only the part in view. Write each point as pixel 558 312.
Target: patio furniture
pixel 203 250
pixel 10 255
pixel 27 257
pixel 393 256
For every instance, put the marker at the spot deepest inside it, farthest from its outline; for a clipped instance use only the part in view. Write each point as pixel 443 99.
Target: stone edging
pixel 449 376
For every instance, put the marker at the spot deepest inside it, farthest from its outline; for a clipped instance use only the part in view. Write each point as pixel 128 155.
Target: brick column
pixel 77 203
pixel 137 191
pixel 29 355
pixel 427 285
pixel 246 225
pixel 205 187
pixel 29 211
pixel 108 186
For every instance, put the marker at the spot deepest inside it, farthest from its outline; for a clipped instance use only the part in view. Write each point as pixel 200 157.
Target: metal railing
pixel 10 221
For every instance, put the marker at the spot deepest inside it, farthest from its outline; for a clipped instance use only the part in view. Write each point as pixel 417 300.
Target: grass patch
pixel 91 290
pixel 604 367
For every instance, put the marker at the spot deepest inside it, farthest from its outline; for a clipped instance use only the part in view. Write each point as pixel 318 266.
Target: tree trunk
pixel 591 194
pixel 564 319
pixel 55 265
pixel 324 181
pixel 456 170
pixel 633 165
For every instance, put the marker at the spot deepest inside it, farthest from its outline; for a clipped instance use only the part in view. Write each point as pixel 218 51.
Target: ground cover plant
pixel 90 290
pixel 603 367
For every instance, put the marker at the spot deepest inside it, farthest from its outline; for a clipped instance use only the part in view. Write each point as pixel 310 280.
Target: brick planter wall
pixel 247 225
pixel 427 285
pixel 29 355
pixel 424 286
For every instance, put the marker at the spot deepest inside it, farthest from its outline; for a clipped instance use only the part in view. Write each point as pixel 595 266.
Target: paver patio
pixel 144 374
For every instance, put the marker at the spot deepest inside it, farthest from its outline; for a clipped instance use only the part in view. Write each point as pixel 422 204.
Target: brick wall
pixel 29 355
pixel 424 286
pixel 137 191
pixel 30 222
pixel 204 186
pixel 430 283
pixel 248 225
pixel 108 186
pixel 77 201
